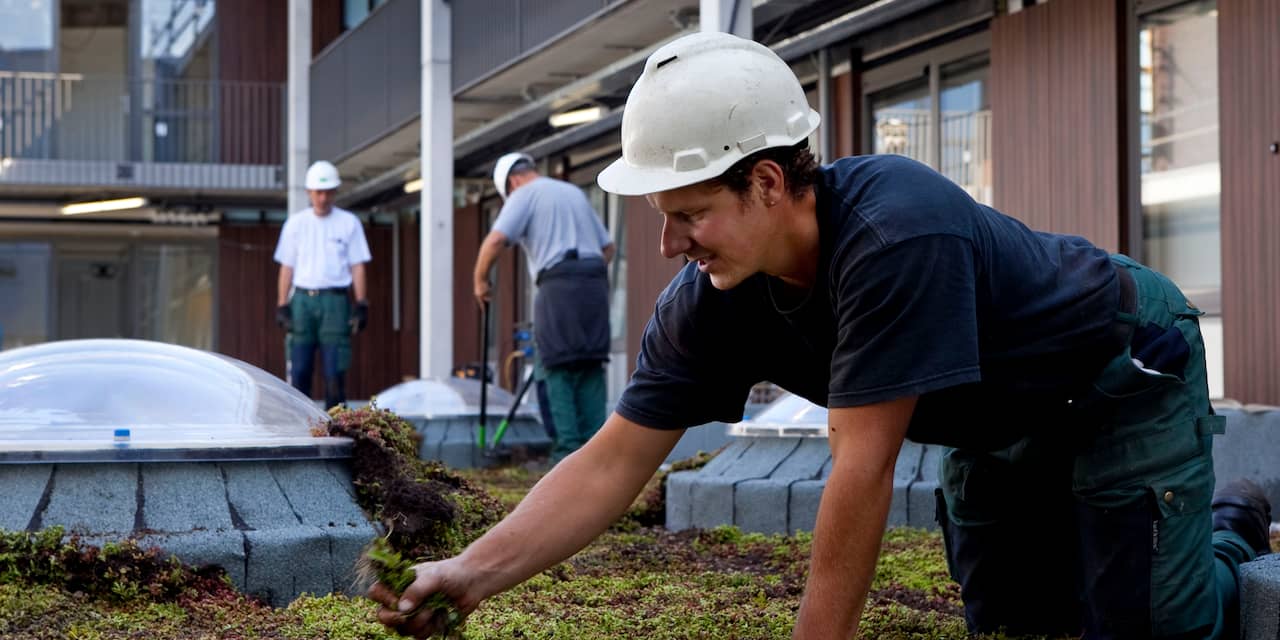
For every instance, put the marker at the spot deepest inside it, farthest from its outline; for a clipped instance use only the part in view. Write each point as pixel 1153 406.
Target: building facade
pixel 1147 126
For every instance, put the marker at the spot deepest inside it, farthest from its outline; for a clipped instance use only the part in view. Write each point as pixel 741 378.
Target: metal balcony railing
pixel 75 117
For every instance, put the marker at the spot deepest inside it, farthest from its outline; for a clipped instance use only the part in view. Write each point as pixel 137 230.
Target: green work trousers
pixel 1100 522
pixel 576 393
pixel 320 321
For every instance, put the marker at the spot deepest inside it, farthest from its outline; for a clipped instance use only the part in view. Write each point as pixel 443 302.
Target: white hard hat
pixel 503 168
pixel 704 102
pixel 322 176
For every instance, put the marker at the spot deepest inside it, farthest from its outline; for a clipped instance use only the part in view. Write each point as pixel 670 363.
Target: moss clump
pixel 428 512
pixel 383 563
pixel 119 571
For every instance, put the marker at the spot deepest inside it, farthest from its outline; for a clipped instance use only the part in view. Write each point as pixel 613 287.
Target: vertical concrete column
pixel 824 106
pixel 298 150
pixel 729 16
pixel 436 220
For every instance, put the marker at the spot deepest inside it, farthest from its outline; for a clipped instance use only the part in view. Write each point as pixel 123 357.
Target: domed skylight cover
pixel 140 400
pixel 450 397
pixel 789 415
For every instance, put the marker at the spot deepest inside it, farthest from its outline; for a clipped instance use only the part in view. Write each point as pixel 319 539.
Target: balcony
pixel 74 132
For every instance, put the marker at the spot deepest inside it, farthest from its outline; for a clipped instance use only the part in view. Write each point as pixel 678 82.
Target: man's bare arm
pixel 490 249
pixel 582 496
pixel 851 517
pixel 283 283
pixel 358 281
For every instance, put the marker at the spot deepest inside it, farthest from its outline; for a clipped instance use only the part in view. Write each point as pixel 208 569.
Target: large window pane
pixel 26 35
pixel 174 290
pixel 1178 99
pixel 901 120
pixel 966 126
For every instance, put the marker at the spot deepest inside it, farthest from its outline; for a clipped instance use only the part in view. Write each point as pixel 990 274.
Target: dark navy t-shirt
pixel 920 291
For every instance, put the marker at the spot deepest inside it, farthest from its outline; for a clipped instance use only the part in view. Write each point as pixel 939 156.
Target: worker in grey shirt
pixel 567 249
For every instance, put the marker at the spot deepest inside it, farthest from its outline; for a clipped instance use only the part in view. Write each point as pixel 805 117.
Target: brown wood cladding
pixel 381 356
pixel 252 54
pixel 1249 116
pixel 648 273
pixel 1055 98
pixel 326 23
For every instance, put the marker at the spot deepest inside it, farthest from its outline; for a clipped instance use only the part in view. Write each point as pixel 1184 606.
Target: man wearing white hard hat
pixel 1068 385
pixel 322 254
pixel 567 249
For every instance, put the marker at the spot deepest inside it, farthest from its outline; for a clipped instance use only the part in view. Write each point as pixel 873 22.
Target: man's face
pixel 724 234
pixel 321 201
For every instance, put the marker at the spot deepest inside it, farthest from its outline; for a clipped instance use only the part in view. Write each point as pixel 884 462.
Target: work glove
pixel 359 317
pixel 284 317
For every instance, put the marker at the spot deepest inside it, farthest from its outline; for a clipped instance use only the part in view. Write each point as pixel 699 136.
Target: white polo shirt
pixel 321 249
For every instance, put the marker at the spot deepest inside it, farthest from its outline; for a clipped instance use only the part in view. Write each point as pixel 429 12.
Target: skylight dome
pixel 128 400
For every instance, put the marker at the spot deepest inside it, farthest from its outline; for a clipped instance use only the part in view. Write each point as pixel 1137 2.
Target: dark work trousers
pixel 320 320
pixel 571 330
pixel 1100 524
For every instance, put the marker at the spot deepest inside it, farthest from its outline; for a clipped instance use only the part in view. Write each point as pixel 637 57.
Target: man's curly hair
pixel 799 167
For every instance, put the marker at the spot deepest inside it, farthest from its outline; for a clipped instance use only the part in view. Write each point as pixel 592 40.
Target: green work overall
pixel 1100 522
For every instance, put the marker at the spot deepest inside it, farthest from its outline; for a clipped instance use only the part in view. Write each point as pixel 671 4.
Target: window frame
pixel 926 64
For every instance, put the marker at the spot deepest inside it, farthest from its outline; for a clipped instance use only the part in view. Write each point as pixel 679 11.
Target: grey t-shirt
pixel 548 217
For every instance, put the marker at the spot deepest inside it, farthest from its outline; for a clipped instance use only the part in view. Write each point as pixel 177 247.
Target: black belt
pixel 571 254
pixel 327 290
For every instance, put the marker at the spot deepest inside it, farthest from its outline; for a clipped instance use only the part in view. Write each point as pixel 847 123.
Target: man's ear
pixel 770 181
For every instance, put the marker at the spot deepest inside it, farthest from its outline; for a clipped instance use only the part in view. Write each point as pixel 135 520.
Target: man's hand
pixel 482 291
pixel 405 612
pixel 359 317
pixel 284 317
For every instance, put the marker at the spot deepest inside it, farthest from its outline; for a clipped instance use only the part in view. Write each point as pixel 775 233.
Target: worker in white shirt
pixel 322 254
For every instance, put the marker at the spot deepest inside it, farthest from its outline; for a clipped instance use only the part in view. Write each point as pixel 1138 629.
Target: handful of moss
pixel 380 561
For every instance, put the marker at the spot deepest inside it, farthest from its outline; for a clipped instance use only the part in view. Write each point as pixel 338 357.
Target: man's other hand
pixel 284 317
pixel 482 292
pixel 359 317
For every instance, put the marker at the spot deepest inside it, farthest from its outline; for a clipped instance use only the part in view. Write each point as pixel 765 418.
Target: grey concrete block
pixel 458 454
pixel 93 498
pixel 346 543
pixel 255 497
pixel 802 510
pixel 1260 598
pixel 1249 449
pixel 805 462
pixel 711 500
pixel 761 458
pixel 760 506
pixel 905 472
pixel 680 499
pixel 920 496
pixel 285 563
pixel 703 438
pixel 23 484
pixel 341 472
pixel 225 549
pixel 315 494
pixel 726 459
pixel 183 497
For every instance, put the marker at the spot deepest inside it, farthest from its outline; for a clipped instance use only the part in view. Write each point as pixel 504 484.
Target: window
pixel 1180 176
pixel 1178 123
pixel 355 11
pixel 935 107
pixel 26 35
